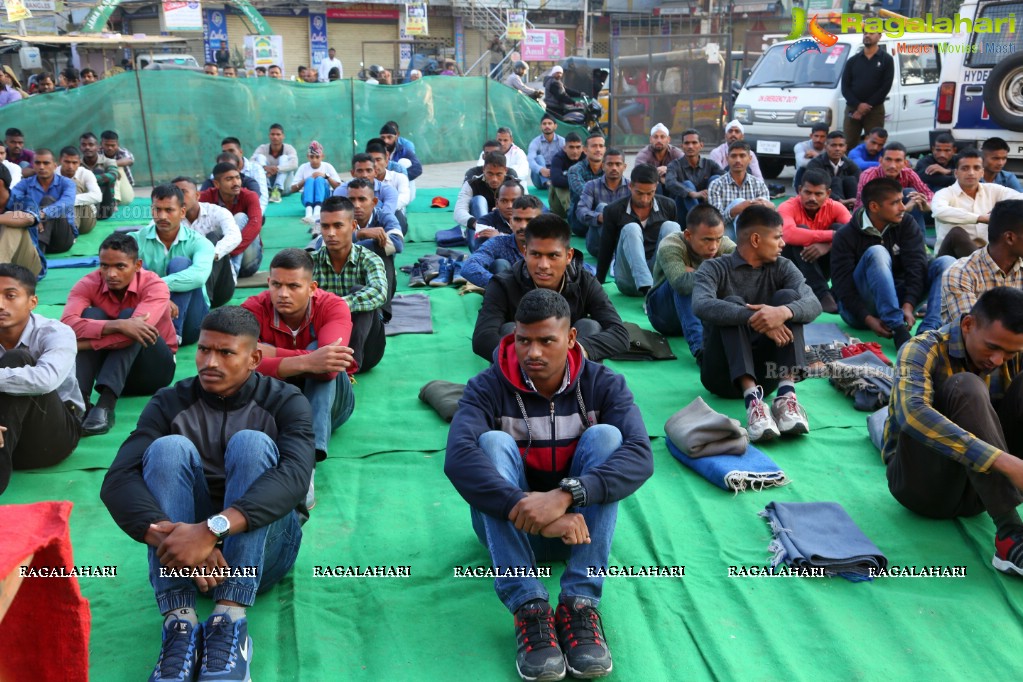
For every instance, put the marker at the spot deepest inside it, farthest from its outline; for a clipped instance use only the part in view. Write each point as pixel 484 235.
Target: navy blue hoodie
pixel 594 395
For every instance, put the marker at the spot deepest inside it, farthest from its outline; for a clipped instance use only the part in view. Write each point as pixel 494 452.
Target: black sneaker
pixel 901 335
pixel 179 654
pixel 1008 556
pixel 539 657
pixel 431 266
pixel 582 639
pixel 444 252
pixel 415 278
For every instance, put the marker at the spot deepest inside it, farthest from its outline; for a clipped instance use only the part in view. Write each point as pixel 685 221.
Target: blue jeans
pixel 671 314
pixel 173 471
pixel 593 232
pixel 510 547
pixel 539 181
pixel 192 305
pixel 630 109
pixel 917 214
pixel 876 284
pixel 632 270
pixel 247 263
pixel 314 191
pixel 333 402
pixel 478 207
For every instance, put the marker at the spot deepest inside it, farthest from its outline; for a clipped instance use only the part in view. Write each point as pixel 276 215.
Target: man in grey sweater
pixel 753 305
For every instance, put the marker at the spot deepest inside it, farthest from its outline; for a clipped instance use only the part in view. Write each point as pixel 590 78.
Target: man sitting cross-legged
pixel 529 507
pixel 954 436
pixel 753 304
pixel 218 225
pixel 212 478
pixel 551 263
pixel 669 303
pixel 40 405
pixel 497 221
pixel 357 275
pixel 304 337
pixel 499 253
pixel 126 340
pixel 182 257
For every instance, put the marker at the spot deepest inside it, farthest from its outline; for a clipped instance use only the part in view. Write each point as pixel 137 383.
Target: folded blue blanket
pixel 821 535
pixel 73 262
pixel 735 473
pixel 454 236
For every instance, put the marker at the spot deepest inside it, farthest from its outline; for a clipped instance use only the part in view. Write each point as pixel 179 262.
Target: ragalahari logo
pixel 818 36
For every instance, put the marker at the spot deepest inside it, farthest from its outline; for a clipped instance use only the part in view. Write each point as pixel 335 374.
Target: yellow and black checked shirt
pixel 966 279
pixel 924 362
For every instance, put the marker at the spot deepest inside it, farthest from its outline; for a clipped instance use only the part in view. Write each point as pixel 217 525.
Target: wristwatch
pixel 219 525
pixel 574 487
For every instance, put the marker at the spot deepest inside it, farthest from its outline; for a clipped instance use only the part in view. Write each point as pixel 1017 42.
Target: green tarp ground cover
pixel 383 500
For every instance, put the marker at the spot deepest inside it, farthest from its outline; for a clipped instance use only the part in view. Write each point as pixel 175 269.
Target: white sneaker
pixel 789 415
pixel 308 220
pixel 761 424
pixel 310 497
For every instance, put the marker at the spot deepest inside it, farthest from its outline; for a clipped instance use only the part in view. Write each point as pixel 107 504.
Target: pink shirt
pixel 793 215
pixel 907 178
pixel 146 293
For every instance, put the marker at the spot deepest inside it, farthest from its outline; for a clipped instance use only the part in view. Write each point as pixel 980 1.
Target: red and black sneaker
pixel 1008 556
pixel 581 634
pixel 539 657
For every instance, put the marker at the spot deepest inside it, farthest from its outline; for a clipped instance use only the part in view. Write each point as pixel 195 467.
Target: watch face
pixel 219 524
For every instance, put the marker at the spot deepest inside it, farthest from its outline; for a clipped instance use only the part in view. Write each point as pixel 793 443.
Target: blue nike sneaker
pixel 179 653
pixel 227 650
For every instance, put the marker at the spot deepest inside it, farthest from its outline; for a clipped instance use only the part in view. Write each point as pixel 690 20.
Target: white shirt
pixel 212 218
pixel 15 170
pixel 952 207
pixel 256 172
pixel 399 181
pixel 517 160
pixel 87 189
pixel 325 66
pixel 306 170
pixel 800 151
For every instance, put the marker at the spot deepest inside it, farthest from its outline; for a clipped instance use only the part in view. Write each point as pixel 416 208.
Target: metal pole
pixel 586 28
pixel 145 129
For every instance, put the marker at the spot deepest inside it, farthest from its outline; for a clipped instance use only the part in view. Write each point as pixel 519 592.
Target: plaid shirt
pixel 723 192
pixel 907 178
pixel 123 153
pixel 363 268
pixel 924 362
pixel 966 279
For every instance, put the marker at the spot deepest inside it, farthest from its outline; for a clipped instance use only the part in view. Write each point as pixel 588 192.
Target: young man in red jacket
pixel 544 445
pixel 304 334
pixel 227 191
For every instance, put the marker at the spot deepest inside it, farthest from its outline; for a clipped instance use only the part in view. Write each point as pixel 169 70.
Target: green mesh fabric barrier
pixel 173 121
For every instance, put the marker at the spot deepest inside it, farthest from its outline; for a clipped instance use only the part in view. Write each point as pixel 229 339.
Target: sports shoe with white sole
pixel 1008 556
pixel 760 423
pixel 179 653
pixel 227 650
pixel 789 415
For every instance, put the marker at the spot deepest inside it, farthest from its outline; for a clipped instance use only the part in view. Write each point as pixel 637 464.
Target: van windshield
pixel 809 70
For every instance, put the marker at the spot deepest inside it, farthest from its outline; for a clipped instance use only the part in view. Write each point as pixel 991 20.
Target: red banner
pixel 349 13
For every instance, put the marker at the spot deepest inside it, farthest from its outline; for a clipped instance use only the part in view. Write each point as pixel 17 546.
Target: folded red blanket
pixel 45 633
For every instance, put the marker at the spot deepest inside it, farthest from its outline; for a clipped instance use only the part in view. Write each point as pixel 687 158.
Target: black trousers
pixel 843 187
pixel 957 244
pixel 733 352
pixel 125 371
pixel 42 430
pixel 55 234
pixel 392 282
pixel 220 284
pixel 368 339
pixel 816 273
pixel 933 485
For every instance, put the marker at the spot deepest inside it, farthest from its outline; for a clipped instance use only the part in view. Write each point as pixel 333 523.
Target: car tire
pixel 1003 93
pixel 771 167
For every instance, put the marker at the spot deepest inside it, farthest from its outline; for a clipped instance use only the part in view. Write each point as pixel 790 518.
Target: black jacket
pixel 585 298
pixel 905 243
pixel 616 217
pixel 560 166
pixel 822 162
pixel 262 404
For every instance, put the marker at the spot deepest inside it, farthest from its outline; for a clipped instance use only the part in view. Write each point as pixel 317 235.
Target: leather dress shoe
pixel 98 421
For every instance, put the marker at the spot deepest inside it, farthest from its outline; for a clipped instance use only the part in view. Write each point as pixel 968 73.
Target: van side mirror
pixel 746 74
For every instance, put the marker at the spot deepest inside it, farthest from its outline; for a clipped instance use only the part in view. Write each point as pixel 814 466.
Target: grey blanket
pixel 699 431
pixel 410 314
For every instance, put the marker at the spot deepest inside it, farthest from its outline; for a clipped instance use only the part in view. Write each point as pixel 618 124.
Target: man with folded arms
pixel 126 340
pixel 529 507
pixel 212 481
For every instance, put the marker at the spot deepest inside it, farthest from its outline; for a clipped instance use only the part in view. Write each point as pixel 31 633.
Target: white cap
pixel 735 124
pixel 661 127
pixel 557 69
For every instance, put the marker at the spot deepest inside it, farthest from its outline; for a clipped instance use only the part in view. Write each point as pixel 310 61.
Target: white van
pixel 143 59
pixel 781 100
pixel 981 91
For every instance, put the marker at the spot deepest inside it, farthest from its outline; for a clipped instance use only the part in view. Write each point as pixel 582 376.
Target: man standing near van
pixel 866 81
